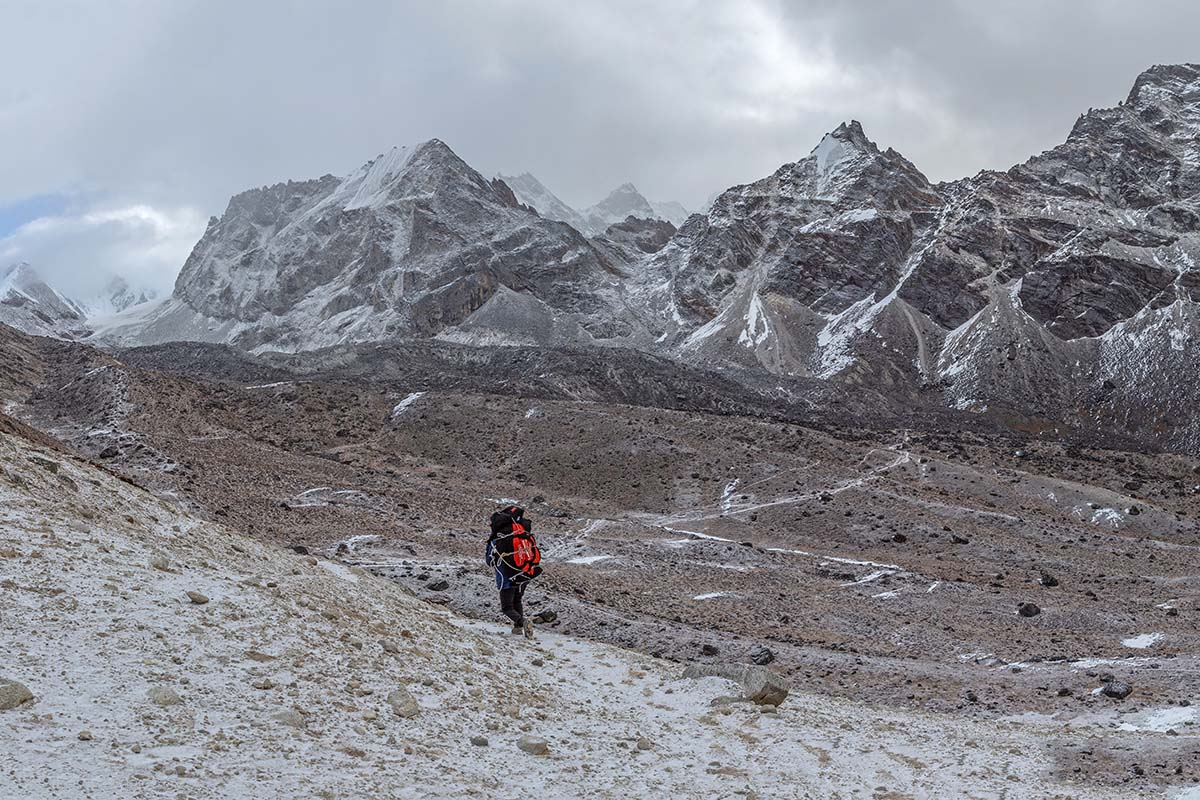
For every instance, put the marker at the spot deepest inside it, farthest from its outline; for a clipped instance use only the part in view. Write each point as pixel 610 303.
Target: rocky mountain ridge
pixel 1061 292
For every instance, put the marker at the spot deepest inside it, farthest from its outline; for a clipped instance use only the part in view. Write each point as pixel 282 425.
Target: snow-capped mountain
pixel 116 297
pixel 623 202
pixel 1068 282
pixel 1063 291
pixel 533 193
pixel 29 304
pixel 412 243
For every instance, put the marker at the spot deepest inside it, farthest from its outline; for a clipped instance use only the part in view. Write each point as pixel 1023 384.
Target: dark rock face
pixel 1061 292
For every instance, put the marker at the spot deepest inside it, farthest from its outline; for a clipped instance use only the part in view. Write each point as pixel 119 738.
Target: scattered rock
pixel 1028 609
pixel 1117 690
pixel 1133 511
pixel 163 696
pixel 709 650
pixel 899 538
pixel 1172 612
pixel 438 586
pixel 161 563
pixel 389 646
pixel 762 655
pixel 13 694
pixel 263 683
pixel 403 703
pixel 299 549
pixel 1064 692
pixel 956 539
pixel 644 744
pixel 1048 580
pixel 534 745
pixel 197 598
pixel 85 736
pixel 761 685
pixel 289 717
pixel 545 617
pixel 479 741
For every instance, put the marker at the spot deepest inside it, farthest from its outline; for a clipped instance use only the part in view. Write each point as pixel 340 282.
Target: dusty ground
pixel 280 682
pixel 879 566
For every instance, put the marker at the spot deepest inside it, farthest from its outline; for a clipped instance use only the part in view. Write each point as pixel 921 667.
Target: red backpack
pixel 526 555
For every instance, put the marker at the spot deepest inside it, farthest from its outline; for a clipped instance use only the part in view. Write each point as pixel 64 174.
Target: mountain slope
pixel 412 243
pixel 29 304
pixel 200 662
pixel 1062 289
pixel 621 203
pixel 116 296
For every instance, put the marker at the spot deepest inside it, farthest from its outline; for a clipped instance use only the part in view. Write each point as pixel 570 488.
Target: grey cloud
pixel 179 105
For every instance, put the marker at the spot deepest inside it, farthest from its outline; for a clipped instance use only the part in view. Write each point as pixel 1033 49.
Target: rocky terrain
pixel 977 577
pixel 161 656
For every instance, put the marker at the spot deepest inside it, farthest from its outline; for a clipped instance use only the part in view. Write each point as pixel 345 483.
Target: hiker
pixel 513 554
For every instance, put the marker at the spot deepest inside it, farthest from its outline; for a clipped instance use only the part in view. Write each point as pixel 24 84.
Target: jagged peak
pixel 1172 78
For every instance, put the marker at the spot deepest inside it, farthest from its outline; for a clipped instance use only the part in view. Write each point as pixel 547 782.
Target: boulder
pixel 761 685
pixel 13 694
pixel 163 696
pixel 534 745
pixel 403 703
pixel 762 655
pixel 1118 690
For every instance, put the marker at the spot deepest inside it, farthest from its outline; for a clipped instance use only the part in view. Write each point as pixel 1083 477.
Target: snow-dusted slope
pixel 626 201
pixel 530 191
pixel 29 304
pixel 116 297
pixel 412 243
pixel 1056 290
pixel 165 657
pixel 621 203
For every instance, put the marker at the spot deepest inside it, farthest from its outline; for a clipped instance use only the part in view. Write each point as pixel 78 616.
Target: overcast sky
pixel 124 125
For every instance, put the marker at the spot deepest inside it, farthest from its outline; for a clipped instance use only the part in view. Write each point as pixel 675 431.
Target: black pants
pixel 510 603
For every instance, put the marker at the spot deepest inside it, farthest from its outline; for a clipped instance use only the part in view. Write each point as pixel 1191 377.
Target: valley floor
pixel 295 676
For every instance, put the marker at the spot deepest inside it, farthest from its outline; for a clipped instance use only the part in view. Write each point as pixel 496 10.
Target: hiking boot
pixel 518 628
pixel 528 626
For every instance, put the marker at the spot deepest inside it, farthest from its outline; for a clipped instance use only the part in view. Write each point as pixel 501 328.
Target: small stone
pixel 389 646
pixel 403 703
pixel 163 696
pixel 709 650
pixel 1048 580
pixel 161 563
pixel 762 655
pixel 1065 692
pixel 13 694
pixel 1172 612
pixel 956 539
pixel 644 744
pixel 85 736
pixel 438 586
pixel 533 745
pixel 899 538
pixel 263 683
pixel 289 717
pixel 479 741
pixel 537 662
pixel 1028 609
pixel 545 617
pixel 197 598
pixel 1118 690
